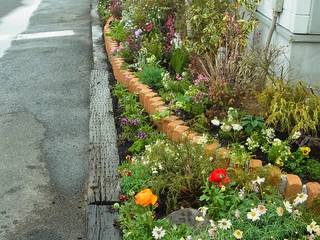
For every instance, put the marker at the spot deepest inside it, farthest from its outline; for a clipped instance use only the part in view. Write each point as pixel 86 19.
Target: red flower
pixel 149 27
pixel 219 176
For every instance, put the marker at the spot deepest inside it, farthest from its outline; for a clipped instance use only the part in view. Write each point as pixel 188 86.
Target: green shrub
pixel 180 171
pixel 117 31
pixel 179 60
pixel 312 169
pixel 291 107
pixel 151 75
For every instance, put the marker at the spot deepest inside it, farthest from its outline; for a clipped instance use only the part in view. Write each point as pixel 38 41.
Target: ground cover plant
pixel 195 54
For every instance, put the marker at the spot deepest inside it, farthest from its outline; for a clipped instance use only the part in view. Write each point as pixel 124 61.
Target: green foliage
pixel 186 164
pixel 209 24
pixel 151 75
pixel 312 169
pixel 118 31
pixel 154 46
pixel 179 60
pixel 136 125
pixel 291 107
pixel 239 156
pixel 279 152
pixel 103 11
pixel 252 123
pixel 134 177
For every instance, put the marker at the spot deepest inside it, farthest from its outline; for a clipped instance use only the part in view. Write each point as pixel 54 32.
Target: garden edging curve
pixel 177 130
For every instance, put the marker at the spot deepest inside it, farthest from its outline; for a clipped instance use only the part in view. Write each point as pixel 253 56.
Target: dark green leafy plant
pixel 312 169
pixel 151 75
pixel 252 123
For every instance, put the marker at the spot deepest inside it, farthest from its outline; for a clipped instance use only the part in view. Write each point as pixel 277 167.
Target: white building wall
pixel 297 35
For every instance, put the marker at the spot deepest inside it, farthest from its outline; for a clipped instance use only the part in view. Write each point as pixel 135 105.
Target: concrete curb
pixel 177 130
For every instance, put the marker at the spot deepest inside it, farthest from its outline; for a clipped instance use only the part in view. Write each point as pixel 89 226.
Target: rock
pixel 187 216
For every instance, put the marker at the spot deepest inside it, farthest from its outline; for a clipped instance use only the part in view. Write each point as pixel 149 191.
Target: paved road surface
pixel 44 123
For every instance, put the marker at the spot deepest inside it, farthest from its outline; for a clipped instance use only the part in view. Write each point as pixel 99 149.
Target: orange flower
pixel 146 198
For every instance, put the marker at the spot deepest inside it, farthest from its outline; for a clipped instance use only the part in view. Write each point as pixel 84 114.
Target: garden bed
pixel 175 174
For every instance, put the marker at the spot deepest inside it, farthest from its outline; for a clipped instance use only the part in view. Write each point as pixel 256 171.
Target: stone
pixel 187 216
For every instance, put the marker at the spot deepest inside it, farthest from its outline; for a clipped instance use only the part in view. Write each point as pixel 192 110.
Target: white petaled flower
pixel 203 211
pixel 225 127
pixel 188 238
pixel 301 198
pixel 215 122
pixel 241 194
pixel 224 224
pixel 262 209
pixel 212 232
pixel 203 139
pixel 259 180
pixel 280 211
pixel 287 206
pixel 160 166
pixel 237 214
pixel 269 133
pixel 199 219
pixel 312 227
pixel 238 234
pixel 154 170
pixel 212 224
pixel 297 212
pixel 158 232
pixel 252 144
pixel 253 215
pixel 296 135
pixel 237 127
pixel 276 142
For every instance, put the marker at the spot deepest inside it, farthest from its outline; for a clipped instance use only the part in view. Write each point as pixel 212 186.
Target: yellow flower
pixel 146 198
pixel 305 151
pixel 238 234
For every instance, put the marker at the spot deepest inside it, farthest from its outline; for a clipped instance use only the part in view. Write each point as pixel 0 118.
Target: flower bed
pixel 203 175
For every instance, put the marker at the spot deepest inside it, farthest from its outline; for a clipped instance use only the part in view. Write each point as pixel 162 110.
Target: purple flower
pixel 135 122
pixel 138 32
pixel 124 121
pixel 201 79
pixel 142 135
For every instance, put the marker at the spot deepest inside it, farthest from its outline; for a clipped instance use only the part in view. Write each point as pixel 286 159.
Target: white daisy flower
pixel 203 210
pixel 199 219
pixel 224 224
pixel 237 127
pixel 301 198
pixel 158 232
pixel 215 122
pixel 262 209
pixel 238 234
pixel 296 135
pixel 287 206
pixel 253 215
pixel 312 227
pixel 280 211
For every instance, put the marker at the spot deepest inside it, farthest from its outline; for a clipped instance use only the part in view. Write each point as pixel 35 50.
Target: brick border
pixel 178 131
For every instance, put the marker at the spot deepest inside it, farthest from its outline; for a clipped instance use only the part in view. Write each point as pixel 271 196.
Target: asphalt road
pixel 44 85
